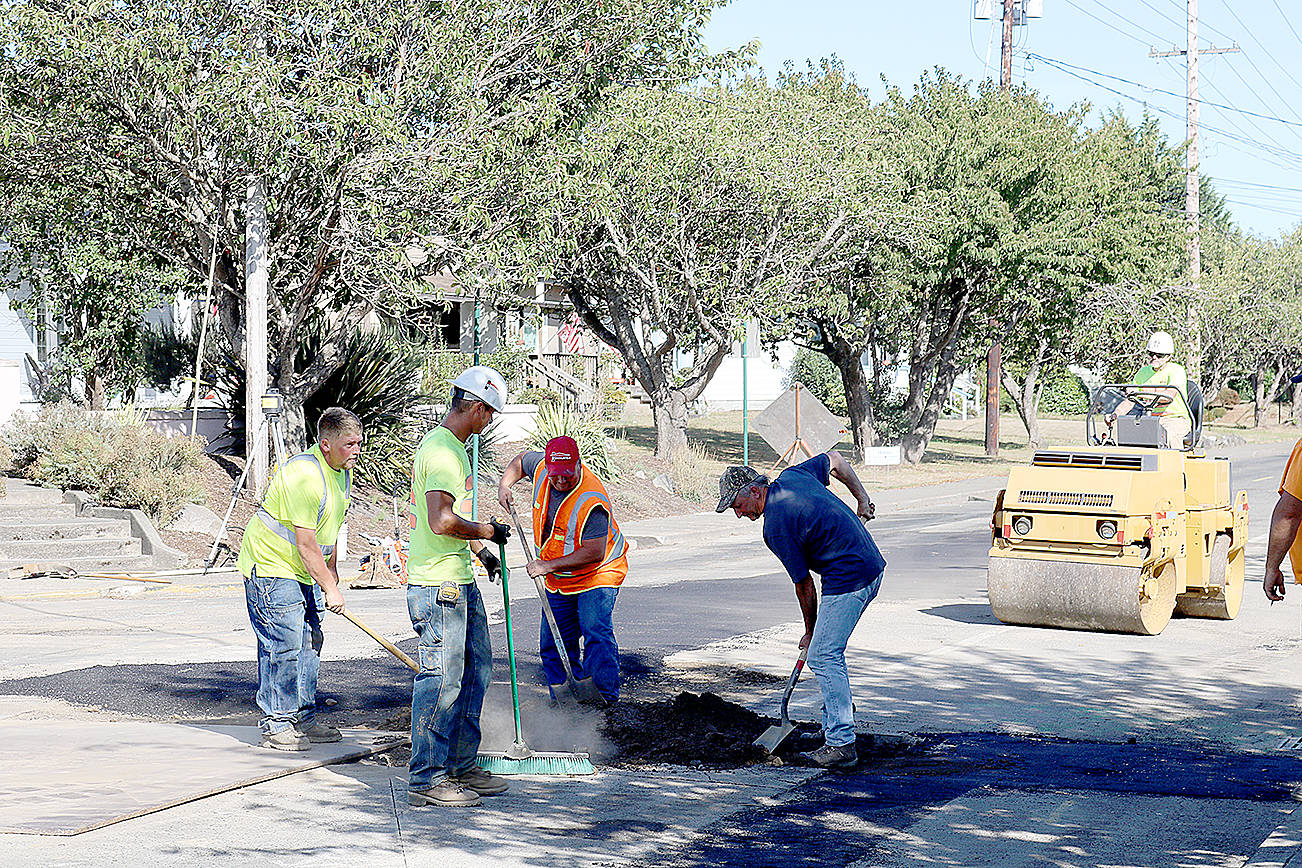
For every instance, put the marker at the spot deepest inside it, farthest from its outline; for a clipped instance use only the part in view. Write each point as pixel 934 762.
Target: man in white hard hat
pixel 1161 371
pixel 447 611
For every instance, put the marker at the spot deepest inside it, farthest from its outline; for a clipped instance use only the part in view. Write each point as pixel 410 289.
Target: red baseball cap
pixel 562 455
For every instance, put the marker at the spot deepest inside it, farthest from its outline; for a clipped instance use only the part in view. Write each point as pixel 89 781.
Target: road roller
pixel 1123 532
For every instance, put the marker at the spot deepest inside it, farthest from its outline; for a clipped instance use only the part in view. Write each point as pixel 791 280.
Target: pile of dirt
pixel 690 729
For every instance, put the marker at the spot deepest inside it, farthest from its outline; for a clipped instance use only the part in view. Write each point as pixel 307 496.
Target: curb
pixel 151 542
pixel 1282 848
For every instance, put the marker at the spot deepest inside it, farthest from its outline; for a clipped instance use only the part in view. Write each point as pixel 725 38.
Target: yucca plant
pixel 562 419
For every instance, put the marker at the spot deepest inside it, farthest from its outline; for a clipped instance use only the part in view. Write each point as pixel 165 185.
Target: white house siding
pixel 763 380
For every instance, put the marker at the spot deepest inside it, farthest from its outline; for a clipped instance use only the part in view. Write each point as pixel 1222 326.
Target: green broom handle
pixel 510 645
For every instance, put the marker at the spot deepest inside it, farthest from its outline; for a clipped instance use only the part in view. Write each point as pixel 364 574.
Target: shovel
pixel 583 689
pixel 778 732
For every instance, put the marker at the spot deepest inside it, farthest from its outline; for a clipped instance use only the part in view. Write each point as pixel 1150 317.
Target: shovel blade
pixel 772 737
pixel 585 690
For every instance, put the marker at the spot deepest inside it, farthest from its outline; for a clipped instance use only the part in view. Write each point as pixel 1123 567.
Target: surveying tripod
pixel 273 411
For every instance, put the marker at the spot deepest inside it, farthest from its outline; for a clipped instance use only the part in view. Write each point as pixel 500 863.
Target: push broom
pixel 518 759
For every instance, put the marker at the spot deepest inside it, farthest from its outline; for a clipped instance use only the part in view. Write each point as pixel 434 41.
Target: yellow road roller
pixel 1121 533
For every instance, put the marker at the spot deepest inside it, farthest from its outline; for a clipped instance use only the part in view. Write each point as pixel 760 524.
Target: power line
pixel 1105 23
pixel 1261 132
pixel 1052 61
pixel 1280 151
pixel 1138 27
pixel 1253 63
pixel 1286 21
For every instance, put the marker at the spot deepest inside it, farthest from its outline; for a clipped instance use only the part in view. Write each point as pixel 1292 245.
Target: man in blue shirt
pixel 812 530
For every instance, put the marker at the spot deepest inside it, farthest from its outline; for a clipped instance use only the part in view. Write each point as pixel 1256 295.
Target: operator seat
pixel 1195 401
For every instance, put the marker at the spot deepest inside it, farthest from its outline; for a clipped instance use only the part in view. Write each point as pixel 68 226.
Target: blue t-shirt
pixel 810 529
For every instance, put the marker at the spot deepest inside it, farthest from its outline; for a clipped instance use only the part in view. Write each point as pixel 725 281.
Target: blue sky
pixel 1255 161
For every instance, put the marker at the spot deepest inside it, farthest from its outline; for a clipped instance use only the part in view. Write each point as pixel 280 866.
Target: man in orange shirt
pixel 1284 524
pixel 581 556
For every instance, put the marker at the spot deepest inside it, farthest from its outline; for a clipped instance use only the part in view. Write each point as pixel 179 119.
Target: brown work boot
pixel 320 733
pixel 481 781
pixel 446 794
pixel 286 739
pixel 833 756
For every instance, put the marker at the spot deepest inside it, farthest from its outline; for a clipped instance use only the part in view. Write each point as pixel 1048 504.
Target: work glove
pixel 492 564
pixel 501 532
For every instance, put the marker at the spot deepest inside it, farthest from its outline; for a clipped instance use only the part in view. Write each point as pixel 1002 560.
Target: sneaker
pixel 833 756
pixel 320 733
pixel 481 781
pixel 286 739
pixel 446 794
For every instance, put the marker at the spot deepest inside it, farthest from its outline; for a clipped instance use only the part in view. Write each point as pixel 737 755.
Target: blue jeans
pixel 588 615
pixel 286 618
pixel 456 661
pixel 837 616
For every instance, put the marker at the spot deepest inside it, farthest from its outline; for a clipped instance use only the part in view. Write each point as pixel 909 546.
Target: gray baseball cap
pixel 733 480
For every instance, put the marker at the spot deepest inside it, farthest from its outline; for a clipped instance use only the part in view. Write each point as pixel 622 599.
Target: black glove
pixel 491 563
pixel 501 532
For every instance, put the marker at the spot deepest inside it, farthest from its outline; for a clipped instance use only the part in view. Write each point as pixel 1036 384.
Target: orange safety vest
pixel 567 533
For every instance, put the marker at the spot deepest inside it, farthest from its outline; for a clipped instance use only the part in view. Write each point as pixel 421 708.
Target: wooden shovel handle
pixel 388 646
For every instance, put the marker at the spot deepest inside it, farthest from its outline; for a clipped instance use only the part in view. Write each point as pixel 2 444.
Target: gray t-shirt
pixel 598 522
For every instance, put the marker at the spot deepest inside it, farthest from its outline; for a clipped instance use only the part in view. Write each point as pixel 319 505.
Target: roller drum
pixel 1224 594
pixel 1081 596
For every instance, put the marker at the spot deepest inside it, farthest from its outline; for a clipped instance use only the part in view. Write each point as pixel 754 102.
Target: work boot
pixel 833 756
pixel 320 733
pixel 446 794
pixel 481 781
pixel 286 739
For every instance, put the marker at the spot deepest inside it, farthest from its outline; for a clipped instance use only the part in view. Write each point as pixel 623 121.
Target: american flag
pixel 570 336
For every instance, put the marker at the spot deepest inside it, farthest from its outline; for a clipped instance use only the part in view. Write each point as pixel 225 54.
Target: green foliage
pixel 166 358
pixel 612 394
pixel 1064 394
pixel 560 419
pixel 537 395
pixel 815 372
pixel 119 461
pixel 440 366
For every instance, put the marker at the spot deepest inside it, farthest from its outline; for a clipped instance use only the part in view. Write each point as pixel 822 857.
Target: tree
pixel 394 138
pixel 674 235
pixel 87 279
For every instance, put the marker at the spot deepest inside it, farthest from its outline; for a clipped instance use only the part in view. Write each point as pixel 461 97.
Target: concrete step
pixel 45 512
pixel 20 491
pixel 96 564
pixel 68 528
pixel 60 549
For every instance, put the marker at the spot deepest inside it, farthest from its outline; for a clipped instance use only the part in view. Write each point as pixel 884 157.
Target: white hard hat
pixel 485 384
pixel 1161 343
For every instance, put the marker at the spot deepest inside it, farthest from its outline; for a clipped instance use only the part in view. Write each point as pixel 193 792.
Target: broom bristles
pixel 563 764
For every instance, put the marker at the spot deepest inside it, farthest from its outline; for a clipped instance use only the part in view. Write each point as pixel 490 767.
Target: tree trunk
pixel 914 444
pixel 95 389
pixel 858 396
pixel 669 408
pixel 1259 396
pixel 1297 403
pixel 1026 395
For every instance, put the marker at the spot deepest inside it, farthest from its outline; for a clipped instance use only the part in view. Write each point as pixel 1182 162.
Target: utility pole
pixel 1192 207
pixel 255 329
pixel 1014 13
pixel 993 361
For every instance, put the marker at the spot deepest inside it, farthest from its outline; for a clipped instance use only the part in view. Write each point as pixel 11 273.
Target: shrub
pixel 1064 394
pixel 119 460
pixel 556 420
pixel 815 372
pixel 612 394
pixel 1226 397
pixel 694 476
pixel 537 395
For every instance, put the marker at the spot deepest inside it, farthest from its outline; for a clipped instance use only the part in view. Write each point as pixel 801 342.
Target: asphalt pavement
pixel 1029 745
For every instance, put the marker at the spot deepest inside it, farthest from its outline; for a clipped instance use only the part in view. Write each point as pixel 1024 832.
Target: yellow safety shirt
pixel 441 465
pixel 305 492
